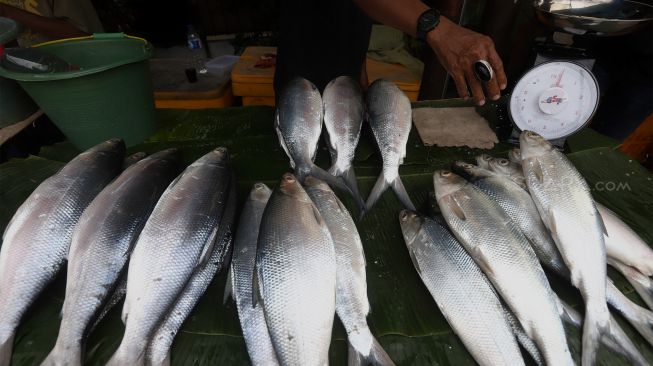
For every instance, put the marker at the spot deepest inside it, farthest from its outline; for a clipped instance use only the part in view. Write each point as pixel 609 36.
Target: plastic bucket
pixel 109 96
pixel 15 104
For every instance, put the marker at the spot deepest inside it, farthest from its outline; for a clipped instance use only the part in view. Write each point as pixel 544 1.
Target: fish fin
pixel 482 260
pixel 595 325
pixel 602 223
pixel 228 287
pixel 377 355
pixel 353 357
pixel 570 315
pixel 413 258
pixel 322 174
pixel 456 209
pixel 6 349
pixel 640 282
pixel 379 187
pixel 552 224
pixel 619 342
pixel 537 170
pixel 398 186
pixel 282 142
pixel 349 176
pixel 208 248
pixel 640 318
pixel 256 290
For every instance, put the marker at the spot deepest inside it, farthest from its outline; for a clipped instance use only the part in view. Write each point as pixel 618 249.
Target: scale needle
pixel 557 84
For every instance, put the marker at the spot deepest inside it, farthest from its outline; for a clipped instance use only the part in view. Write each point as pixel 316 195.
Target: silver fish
pixel 505 256
pixel 640 282
pixel 462 292
pixel 389 114
pixel 567 209
pixel 295 277
pixel 352 305
pixel 101 245
pixel 637 316
pixel 239 282
pixel 133 159
pixel 483 161
pixel 510 170
pixel 343 118
pixel 177 239
pixel 158 352
pixel 514 155
pixel 623 244
pixel 298 122
pixel 36 240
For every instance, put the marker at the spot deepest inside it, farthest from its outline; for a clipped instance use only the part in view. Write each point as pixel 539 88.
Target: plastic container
pixel 15 104
pixel 109 96
pixel 222 66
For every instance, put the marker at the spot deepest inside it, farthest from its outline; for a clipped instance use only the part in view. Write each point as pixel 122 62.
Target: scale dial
pixel 554 99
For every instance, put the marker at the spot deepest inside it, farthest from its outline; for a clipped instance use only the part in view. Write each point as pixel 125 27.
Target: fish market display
pixel 389 115
pixel 343 118
pixel 295 277
pixel 462 292
pixel 298 122
pixel 252 319
pixel 567 209
pixel 505 256
pixel 624 245
pixel 352 305
pixel 101 245
pixel 36 241
pixel 158 353
pixel 177 239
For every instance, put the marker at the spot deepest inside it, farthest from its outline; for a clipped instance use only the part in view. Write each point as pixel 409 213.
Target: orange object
pixel 254 84
pixel 194 100
pixel 639 144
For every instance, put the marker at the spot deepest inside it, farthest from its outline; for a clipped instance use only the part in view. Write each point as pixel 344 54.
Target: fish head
pixel 260 192
pixel 533 145
pixel 470 172
pixel 110 147
pixel 446 182
pixel 289 185
pixel 514 155
pixel 218 156
pixel 483 160
pixel 171 155
pixel 503 166
pixel 411 223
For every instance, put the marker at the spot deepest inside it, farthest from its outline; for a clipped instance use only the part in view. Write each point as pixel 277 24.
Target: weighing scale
pixel 559 95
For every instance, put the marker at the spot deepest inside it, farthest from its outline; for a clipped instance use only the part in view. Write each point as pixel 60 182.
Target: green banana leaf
pixel 404 317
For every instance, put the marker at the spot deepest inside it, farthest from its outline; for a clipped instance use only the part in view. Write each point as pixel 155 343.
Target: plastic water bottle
pixel 194 43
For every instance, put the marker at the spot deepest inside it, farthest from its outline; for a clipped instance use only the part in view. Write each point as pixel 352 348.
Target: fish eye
pixel 445 173
pixel 486 157
pixel 258 186
pixel 289 178
pixel 403 216
pixel 503 162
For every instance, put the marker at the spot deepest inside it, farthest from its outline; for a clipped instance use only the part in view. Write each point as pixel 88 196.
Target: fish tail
pixel 640 282
pixel 639 317
pixel 322 174
pixel 379 187
pixel 6 347
pixel 595 325
pixel 618 341
pixel 364 349
pixel 398 186
pixel 349 176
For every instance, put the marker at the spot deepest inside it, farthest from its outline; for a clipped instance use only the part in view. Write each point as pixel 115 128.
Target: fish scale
pixel 37 238
pixel 505 256
pixel 296 276
pixel 462 292
pixel 170 248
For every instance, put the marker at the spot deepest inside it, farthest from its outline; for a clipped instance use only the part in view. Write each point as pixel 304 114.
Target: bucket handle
pixel 117 35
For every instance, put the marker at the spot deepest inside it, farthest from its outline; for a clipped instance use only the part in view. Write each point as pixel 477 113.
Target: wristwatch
pixel 427 22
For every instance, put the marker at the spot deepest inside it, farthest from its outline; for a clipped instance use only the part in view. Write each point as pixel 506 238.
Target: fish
pixel 616 340
pixel 158 351
pixel 461 291
pixel 519 206
pixel 295 276
pixel 624 245
pixel 36 240
pixel 352 304
pixel 389 114
pixel 343 117
pixel 133 159
pixel 176 240
pixel 567 209
pixel 511 170
pixel 640 282
pixel 483 161
pixel 514 155
pixel 239 282
pixel 298 122
pixel 503 253
pixel 637 316
pixel 101 245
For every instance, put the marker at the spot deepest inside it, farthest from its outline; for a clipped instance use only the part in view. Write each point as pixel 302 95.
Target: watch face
pixel 427 19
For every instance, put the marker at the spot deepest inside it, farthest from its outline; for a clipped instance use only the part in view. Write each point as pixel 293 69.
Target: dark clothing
pixel 321 40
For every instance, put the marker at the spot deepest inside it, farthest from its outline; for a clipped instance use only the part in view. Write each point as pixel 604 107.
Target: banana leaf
pixel 403 315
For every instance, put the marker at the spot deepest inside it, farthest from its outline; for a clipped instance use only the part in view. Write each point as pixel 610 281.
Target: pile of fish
pixel 144 233
pixel 500 223
pixel 342 107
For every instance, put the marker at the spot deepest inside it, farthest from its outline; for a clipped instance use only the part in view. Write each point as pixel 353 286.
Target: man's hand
pixel 457 49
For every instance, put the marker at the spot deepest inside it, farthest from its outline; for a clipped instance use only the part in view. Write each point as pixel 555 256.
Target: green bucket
pixel 109 96
pixel 15 104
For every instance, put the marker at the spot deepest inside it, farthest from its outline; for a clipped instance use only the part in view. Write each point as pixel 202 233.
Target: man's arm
pixel 52 27
pixel 457 48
